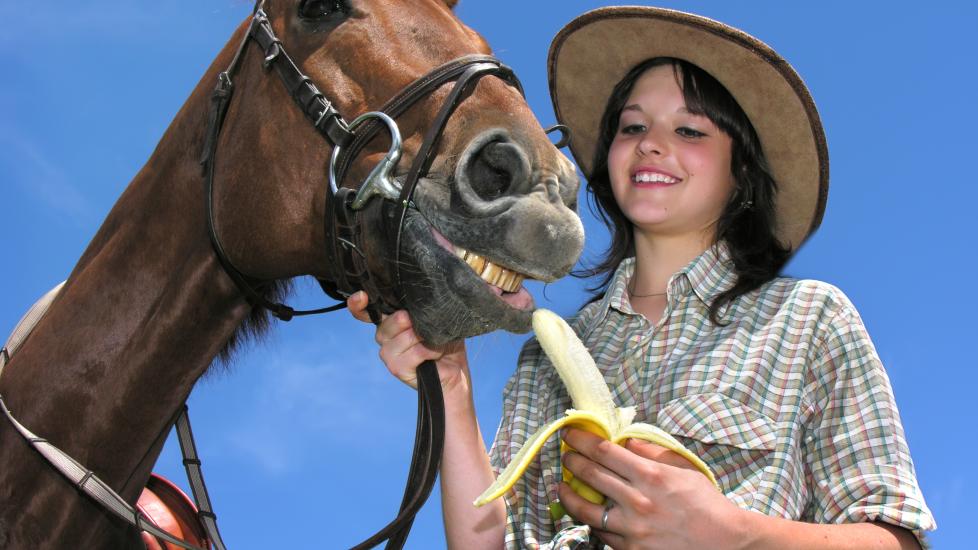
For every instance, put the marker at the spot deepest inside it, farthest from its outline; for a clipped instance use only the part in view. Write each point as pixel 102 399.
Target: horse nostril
pixel 493 170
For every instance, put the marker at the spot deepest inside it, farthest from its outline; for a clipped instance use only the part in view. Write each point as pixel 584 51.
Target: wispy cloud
pixel 301 406
pixel 26 166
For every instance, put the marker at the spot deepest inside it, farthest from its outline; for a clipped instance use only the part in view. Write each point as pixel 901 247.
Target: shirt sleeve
pixel 525 505
pixel 857 458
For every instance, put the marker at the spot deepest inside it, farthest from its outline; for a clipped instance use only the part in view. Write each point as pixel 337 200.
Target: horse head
pixel 495 206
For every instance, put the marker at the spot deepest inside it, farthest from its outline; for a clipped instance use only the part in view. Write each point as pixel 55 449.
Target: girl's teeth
pixel 648 177
pixel 508 280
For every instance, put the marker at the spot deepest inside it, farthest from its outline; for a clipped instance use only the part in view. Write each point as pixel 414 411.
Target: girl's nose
pixel 650 144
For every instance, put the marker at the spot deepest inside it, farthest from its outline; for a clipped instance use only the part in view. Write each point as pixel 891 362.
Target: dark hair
pixel 748 221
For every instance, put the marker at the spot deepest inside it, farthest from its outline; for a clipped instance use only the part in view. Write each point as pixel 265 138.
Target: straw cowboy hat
pixel 593 52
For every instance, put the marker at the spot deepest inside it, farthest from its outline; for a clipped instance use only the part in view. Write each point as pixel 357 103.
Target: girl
pixel 708 163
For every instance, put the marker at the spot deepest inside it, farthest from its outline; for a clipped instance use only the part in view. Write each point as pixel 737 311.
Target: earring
pixel 748 202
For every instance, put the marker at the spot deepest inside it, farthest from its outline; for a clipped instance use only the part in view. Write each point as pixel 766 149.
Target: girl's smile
pixel 646 176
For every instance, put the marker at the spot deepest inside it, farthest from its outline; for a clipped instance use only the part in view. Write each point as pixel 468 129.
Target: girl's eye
pixel 632 129
pixel 688 132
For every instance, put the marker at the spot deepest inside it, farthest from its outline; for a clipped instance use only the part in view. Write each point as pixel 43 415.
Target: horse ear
pixel 451 4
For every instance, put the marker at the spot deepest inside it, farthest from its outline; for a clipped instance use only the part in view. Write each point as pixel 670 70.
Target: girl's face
pixel 670 169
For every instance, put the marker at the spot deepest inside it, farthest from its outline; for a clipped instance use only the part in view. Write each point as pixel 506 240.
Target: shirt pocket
pixel 733 439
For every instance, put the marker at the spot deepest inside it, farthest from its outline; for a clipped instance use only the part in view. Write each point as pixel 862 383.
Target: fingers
pixel 401 349
pixel 591 514
pixel 597 476
pixel 658 453
pixel 610 456
pixel 399 342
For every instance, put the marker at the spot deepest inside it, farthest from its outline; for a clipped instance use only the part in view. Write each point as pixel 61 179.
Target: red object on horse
pixel 172 510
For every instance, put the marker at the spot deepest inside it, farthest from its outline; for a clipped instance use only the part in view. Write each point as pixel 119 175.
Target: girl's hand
pixel 660 500
pixel 402 350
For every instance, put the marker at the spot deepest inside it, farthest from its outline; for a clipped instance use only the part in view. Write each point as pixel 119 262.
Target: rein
pixel 343 232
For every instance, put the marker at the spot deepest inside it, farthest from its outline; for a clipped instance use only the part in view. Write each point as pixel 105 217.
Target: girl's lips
pixel 645 176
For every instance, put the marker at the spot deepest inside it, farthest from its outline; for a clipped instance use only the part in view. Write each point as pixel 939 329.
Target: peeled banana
pixel 594 411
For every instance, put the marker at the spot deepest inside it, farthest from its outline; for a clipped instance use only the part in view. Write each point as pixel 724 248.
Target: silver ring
pixel 380 181
pixel 604 516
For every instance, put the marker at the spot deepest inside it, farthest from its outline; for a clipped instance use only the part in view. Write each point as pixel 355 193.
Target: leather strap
pixel 326 120
pixel 429 441
pixel 86 481
pixel 422 161
pixel 411 94
pixel 192 464
pixel 314 105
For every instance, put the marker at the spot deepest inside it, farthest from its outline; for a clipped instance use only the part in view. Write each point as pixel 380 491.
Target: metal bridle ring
pixel 379 181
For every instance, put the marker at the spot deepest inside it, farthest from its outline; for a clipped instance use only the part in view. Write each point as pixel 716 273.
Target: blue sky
pixel 306 440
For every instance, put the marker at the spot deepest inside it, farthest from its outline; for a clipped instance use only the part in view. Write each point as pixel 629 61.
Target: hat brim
pixel 593 52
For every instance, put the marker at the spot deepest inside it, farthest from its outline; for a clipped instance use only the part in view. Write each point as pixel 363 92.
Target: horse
pixel 188 263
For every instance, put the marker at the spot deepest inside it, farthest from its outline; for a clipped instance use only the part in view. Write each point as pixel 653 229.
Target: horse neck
pixel 141 317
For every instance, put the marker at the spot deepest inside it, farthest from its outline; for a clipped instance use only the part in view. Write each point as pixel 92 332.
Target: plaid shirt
pixel 788 403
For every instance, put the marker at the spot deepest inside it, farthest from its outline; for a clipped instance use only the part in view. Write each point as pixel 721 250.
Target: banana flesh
pixel 594 411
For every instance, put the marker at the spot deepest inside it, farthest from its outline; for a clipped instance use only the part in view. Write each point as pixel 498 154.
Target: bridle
pixel 343 222
pixel 347 266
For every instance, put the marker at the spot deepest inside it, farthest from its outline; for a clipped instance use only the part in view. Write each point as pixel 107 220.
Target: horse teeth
pixel 506 283
pixel 503 279
pixel 490 273
pixel 495 275
pixel 476 262
pixel 516 284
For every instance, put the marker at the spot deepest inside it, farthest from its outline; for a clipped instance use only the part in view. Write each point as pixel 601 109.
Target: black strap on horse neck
pixel 315 106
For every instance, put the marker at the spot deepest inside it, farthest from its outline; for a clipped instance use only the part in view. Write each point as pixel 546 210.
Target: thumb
pixel 357 304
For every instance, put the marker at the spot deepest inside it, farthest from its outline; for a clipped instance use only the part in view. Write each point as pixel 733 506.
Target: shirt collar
pixel 711 274
pixel 707 276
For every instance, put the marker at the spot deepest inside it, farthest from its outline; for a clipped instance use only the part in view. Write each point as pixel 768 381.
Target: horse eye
pixel 319 9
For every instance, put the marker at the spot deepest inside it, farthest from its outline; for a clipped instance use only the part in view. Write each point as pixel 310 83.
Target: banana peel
pixel 594 411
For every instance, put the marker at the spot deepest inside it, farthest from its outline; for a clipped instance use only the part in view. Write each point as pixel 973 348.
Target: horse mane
pixel 256 325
